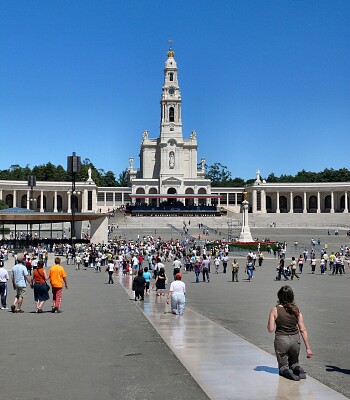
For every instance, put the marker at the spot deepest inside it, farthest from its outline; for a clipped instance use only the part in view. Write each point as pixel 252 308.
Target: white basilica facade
pixel 169 172
pixel 168 164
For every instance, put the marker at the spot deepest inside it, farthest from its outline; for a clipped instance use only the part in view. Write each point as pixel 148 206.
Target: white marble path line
pixel 224 365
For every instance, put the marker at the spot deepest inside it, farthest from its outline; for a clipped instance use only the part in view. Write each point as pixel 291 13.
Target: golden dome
pixel 170 53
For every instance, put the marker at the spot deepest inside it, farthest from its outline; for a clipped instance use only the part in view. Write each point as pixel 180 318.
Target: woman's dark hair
pixel 40 264
pixel 286 299
pixel 161 271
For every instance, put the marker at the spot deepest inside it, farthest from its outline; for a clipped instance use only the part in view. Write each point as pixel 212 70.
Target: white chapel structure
pixel 168 164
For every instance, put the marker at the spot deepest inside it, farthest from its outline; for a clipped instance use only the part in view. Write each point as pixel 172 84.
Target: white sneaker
pixel 4 308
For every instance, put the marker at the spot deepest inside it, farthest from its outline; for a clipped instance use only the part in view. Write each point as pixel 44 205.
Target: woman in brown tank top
pixel 287 322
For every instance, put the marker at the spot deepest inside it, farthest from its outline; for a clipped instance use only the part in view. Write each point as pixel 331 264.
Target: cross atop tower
pixel 170 53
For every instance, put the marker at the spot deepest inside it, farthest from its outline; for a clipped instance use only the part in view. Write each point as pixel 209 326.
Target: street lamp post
pixel 31 184
pixel 73 167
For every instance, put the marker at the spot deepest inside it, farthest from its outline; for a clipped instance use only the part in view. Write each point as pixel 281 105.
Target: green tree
pixel 272 178
pixel 123 179
pixel 3 205
pixel 109 180
pixel 237 182
pixel 218 174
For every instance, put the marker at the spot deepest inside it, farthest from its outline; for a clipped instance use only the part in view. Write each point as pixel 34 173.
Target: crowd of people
pixel 29 272
pixel 144 259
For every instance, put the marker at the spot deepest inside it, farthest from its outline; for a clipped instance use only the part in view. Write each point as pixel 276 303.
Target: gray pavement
pixel 100 347
pixel 243 308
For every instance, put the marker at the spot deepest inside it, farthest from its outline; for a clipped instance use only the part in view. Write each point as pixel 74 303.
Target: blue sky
pixel 264 83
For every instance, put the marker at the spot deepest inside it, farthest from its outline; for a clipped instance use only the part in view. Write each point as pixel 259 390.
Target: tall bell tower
pixel 168 164
pixel 170 103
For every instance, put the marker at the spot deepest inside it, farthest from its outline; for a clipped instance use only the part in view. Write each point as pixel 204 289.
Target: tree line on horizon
pixel 53 173
pixel 217 173
pixel 221 176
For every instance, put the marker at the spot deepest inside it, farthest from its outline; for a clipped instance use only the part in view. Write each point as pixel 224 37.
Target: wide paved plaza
pixel 106 346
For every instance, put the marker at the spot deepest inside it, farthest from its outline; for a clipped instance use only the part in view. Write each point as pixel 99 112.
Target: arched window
pixel 327 202
pixel 9 200
pixel 171 77
pixel 283 204
pixel 153 201
pixel 312 203
pixel 268 203
pixel 59 203
pixel 342 202
pixel 140 200
pixel 202 201
pixel 297 204
pixel 171 114
pixel 189 202
pixel 24 201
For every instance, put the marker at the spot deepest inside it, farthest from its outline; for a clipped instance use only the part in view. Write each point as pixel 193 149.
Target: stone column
pixel 318 202
pixel 0 194
pixel 28 199
pixel 291 203
pixel 263 201
pixel 69 210
pixel 346 210
pixel 15 198
pixel 278 203
pixel 332 202
pixel 42 201
pixel 254 202
pixel 305 201
pixel 122 198
pixel 55 202
pixel 245 235
pixel 236 199
pixel 84 200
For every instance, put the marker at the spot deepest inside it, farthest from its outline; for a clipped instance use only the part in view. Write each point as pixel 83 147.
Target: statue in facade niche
pixel 171 160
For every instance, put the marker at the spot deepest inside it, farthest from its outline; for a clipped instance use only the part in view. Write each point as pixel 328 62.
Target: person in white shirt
pixel 4 277
pixel 78 261
pixel 177 266
pixel 224 260
pixel 216 264
pixel 176 295
pixel 135 264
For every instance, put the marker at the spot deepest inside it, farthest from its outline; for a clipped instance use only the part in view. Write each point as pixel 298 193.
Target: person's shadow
pixel 333 368
pixel 265 368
